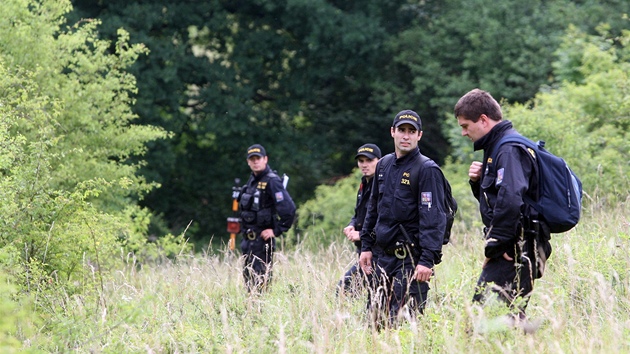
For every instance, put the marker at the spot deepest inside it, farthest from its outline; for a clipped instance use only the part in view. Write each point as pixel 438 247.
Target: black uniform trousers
pixel 393 288
pixel 258 262
pixel 513 281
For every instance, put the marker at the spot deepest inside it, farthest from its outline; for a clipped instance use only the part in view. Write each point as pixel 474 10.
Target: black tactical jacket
pixel 501 189
pixel 419 210
pixel 275 209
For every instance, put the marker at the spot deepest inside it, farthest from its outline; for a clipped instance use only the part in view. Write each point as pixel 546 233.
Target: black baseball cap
pixel 370 151
pixel 409 117
pixel 256 150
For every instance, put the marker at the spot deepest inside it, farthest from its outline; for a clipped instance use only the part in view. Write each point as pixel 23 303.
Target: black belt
pixel 400 251
pixel 250 234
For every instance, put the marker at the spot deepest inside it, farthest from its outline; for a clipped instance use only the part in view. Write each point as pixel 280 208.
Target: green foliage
pixel 467 217
pixel 66 135
pixel 320 221
pixel 16 322
pixel 505 49
pixel 15 308
pixel 587 121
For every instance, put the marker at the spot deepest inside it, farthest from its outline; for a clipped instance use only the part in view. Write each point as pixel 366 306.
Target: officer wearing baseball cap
pixel 266 211
pixel 256 150
pixel 367 157
pixel 404 225
pixel 371 151
pixel 409 117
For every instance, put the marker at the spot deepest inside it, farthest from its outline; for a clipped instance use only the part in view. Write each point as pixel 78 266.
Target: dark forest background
pixel 312 80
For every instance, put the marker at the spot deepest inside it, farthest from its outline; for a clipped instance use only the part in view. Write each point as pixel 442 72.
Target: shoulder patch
pixel 500 174
pixel 427 198
pixel 279 197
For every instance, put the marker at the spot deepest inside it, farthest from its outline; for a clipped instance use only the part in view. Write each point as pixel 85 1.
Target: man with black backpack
pixel 405 225
pixel 267 211
pixel 516 236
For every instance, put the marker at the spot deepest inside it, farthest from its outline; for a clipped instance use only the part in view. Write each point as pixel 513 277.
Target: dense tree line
pixel 313 79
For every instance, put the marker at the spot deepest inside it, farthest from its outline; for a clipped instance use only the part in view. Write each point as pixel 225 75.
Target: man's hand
pixel 365 261
pixel 474 172
pixel 267 234
pixel 351 233
pixel 423 273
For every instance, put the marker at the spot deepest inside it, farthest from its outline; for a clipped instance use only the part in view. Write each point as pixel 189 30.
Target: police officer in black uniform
pixel 266 211
pixel 367 157
pixel 516 241
pixel 404 226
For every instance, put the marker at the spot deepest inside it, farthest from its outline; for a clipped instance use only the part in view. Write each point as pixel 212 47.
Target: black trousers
pixel 393 290
pixel 258 263
pixel 513 281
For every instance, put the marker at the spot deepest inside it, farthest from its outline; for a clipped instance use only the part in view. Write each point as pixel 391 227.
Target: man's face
pixel 257 163
pixel 406 138
pixel 475 130
pixel 367 165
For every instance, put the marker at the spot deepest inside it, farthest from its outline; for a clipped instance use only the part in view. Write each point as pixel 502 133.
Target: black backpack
pixel 559 200
pixel 450 204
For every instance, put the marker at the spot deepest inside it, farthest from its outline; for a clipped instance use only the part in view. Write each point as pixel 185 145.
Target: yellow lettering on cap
pixel 408 116
pixel 253 150
pixel 366 149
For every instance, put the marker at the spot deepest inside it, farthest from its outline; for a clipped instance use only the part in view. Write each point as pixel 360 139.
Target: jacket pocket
pixel 246 201
pixel 264 218
pixel 248 216
pixel 404 204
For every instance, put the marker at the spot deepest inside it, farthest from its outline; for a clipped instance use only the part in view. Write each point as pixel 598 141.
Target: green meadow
pixel 197 304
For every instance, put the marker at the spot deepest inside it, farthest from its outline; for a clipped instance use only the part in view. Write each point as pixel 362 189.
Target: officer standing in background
pixel 404 226
pixel 266 211
pixel 367 157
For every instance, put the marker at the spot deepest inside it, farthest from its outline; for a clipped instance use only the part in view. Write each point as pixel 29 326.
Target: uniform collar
pixel 488 140
pixel 261 174
pixel 410 156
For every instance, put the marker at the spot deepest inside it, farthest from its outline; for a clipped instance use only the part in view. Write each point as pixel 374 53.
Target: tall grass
pixel 198 304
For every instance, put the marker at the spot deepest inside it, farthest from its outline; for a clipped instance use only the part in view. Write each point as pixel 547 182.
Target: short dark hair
pixel 477 102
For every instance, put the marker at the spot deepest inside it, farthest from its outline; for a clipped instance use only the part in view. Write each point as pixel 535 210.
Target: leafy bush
pixel 587 121
pixel 66 134
pixel 320 220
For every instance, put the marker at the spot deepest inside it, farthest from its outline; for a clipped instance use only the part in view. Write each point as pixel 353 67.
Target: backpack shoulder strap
pixel 448 195
pixel 513 138
pixel 273 174
pixel 426 162
pixel 533 154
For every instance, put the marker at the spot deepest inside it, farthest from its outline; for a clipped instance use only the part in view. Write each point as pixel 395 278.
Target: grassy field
pixel 198 304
